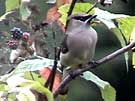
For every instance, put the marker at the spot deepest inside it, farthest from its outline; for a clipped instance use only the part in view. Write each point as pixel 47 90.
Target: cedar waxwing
pixel 79 43
pixel 78 46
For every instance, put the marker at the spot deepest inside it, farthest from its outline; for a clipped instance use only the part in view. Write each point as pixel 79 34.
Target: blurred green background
pixel 114 71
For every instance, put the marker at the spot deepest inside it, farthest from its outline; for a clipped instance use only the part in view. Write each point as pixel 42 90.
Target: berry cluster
pixel 16 33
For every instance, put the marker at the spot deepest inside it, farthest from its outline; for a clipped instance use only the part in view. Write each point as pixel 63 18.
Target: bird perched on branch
pixel 78 46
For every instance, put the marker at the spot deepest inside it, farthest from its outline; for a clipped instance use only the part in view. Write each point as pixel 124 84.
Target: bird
pixel 79 43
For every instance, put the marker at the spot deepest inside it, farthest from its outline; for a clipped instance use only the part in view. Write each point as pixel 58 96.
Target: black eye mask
pixel 82 18
pixel 85 18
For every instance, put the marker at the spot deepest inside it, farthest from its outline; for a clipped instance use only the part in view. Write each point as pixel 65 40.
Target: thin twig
pixel 70 12
pixel 95 4
pixel 50 81
pixel 98 62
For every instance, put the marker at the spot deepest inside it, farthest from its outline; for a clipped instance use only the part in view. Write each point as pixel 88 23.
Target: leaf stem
pixel 95 4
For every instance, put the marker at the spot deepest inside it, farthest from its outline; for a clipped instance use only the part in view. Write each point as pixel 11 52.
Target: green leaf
pixel 22 88
pixel 132 39
pixel 11 97
pixel 107 91
pixel 4 16
pixel 79 8
pixel 34 65
pixel 133 59
pixel 107 18
pixel 123 31
pixel 3 87
pixel 18 80
pixel 119 35
pixel 23 94
pixel 34 76
pixel 24 11
pixel 12 5
pixel 119 24
pixel 126 26
pixel 3 78
pixel 38 87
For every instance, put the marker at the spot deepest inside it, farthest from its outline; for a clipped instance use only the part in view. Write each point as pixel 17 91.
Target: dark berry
pixel 16 33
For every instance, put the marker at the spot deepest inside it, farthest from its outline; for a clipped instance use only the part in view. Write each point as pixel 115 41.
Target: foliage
pixel 28 84
pixel 107 91
pixel 22 88
pixel 12 5
pixel 79 8
pixel 120 24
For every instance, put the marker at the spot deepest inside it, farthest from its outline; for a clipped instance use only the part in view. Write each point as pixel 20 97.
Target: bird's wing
pixel 64 47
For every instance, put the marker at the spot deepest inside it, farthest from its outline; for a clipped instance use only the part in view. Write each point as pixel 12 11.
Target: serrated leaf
pixel 12 4
pixel 107 91
pixel 79 8
pixel 24 11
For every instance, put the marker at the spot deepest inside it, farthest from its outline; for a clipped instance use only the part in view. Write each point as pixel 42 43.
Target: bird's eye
pixel 81 19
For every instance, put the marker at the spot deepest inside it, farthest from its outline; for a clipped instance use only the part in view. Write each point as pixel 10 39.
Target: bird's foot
pixel 72 75
pixel 93 64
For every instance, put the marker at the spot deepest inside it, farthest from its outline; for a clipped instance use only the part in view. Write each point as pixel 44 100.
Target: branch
pixel 70 11
pixel 88 67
